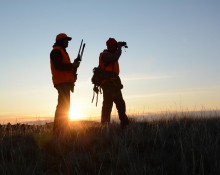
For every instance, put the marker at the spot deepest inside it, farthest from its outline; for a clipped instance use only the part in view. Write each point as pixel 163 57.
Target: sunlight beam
pixel 76 113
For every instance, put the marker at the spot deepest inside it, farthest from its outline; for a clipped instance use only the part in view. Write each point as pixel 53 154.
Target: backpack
pixel 97 76
pixel 96 80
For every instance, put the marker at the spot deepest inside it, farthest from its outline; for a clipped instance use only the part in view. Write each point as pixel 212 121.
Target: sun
pixel 75 113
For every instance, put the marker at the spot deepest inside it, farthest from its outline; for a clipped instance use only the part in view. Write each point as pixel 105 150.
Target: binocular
pixel 123 44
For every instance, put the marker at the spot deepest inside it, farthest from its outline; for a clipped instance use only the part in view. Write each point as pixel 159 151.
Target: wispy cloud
pixel 177 92
pixel 141 77
pixel 149 95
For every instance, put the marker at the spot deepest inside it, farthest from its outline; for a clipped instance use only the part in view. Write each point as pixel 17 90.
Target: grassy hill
pixel 171 146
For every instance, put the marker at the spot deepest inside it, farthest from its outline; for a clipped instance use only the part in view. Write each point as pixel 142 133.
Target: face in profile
pixel 65 43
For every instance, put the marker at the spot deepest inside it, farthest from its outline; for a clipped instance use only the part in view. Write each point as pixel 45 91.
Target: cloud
pixel 149 95
pixel 136 78
pixel 177 92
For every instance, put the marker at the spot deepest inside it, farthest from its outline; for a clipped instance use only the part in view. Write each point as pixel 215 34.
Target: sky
pixel 171 63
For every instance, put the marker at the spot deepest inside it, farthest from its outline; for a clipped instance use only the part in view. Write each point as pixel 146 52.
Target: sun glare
pixel 75 113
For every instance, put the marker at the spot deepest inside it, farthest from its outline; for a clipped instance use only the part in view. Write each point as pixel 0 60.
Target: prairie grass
pixel 175 145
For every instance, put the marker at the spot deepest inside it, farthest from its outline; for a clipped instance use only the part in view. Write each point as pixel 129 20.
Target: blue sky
pixel 172 61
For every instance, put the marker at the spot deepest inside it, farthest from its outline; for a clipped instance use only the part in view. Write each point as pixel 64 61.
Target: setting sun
pixel 75 113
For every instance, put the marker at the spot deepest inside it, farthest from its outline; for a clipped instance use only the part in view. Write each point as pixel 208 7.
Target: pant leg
pixel 121 106
pixel 62 109
pixel 107 103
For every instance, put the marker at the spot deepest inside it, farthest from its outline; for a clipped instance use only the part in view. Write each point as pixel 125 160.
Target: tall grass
pixel 179 145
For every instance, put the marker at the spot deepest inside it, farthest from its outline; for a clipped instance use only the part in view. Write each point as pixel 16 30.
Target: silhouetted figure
pixel 63 80
pixel 111 85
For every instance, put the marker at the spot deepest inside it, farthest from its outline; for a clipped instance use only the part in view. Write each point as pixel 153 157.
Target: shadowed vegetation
pixel 172 146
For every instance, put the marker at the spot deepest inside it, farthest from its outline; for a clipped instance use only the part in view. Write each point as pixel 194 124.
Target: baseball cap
pixel 62 36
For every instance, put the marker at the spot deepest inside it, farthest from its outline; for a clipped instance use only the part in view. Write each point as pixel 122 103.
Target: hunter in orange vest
pixel 111 85
pixel 63 80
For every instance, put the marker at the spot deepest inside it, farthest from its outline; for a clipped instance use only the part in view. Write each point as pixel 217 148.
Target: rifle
pixel 79 58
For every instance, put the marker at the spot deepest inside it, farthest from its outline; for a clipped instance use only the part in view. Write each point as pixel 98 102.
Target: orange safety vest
pixel 114 67
pixel 60 76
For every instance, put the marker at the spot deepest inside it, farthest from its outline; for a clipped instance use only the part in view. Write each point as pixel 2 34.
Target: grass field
pixel 178 145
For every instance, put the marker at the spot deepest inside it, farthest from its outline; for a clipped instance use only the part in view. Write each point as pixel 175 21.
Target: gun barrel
pixel 82 50
pixel 80 46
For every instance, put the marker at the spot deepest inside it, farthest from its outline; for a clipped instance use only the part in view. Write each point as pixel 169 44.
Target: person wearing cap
pixel 63 80
pixel 111 85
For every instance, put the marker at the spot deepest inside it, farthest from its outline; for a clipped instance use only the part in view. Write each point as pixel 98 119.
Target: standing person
pixel 63 80
pixel 111 85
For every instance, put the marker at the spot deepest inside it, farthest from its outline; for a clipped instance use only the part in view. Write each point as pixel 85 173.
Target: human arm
pixel 109 57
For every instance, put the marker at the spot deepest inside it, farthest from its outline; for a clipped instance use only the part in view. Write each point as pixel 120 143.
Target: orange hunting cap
pixel 62 36
pixel 111 42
